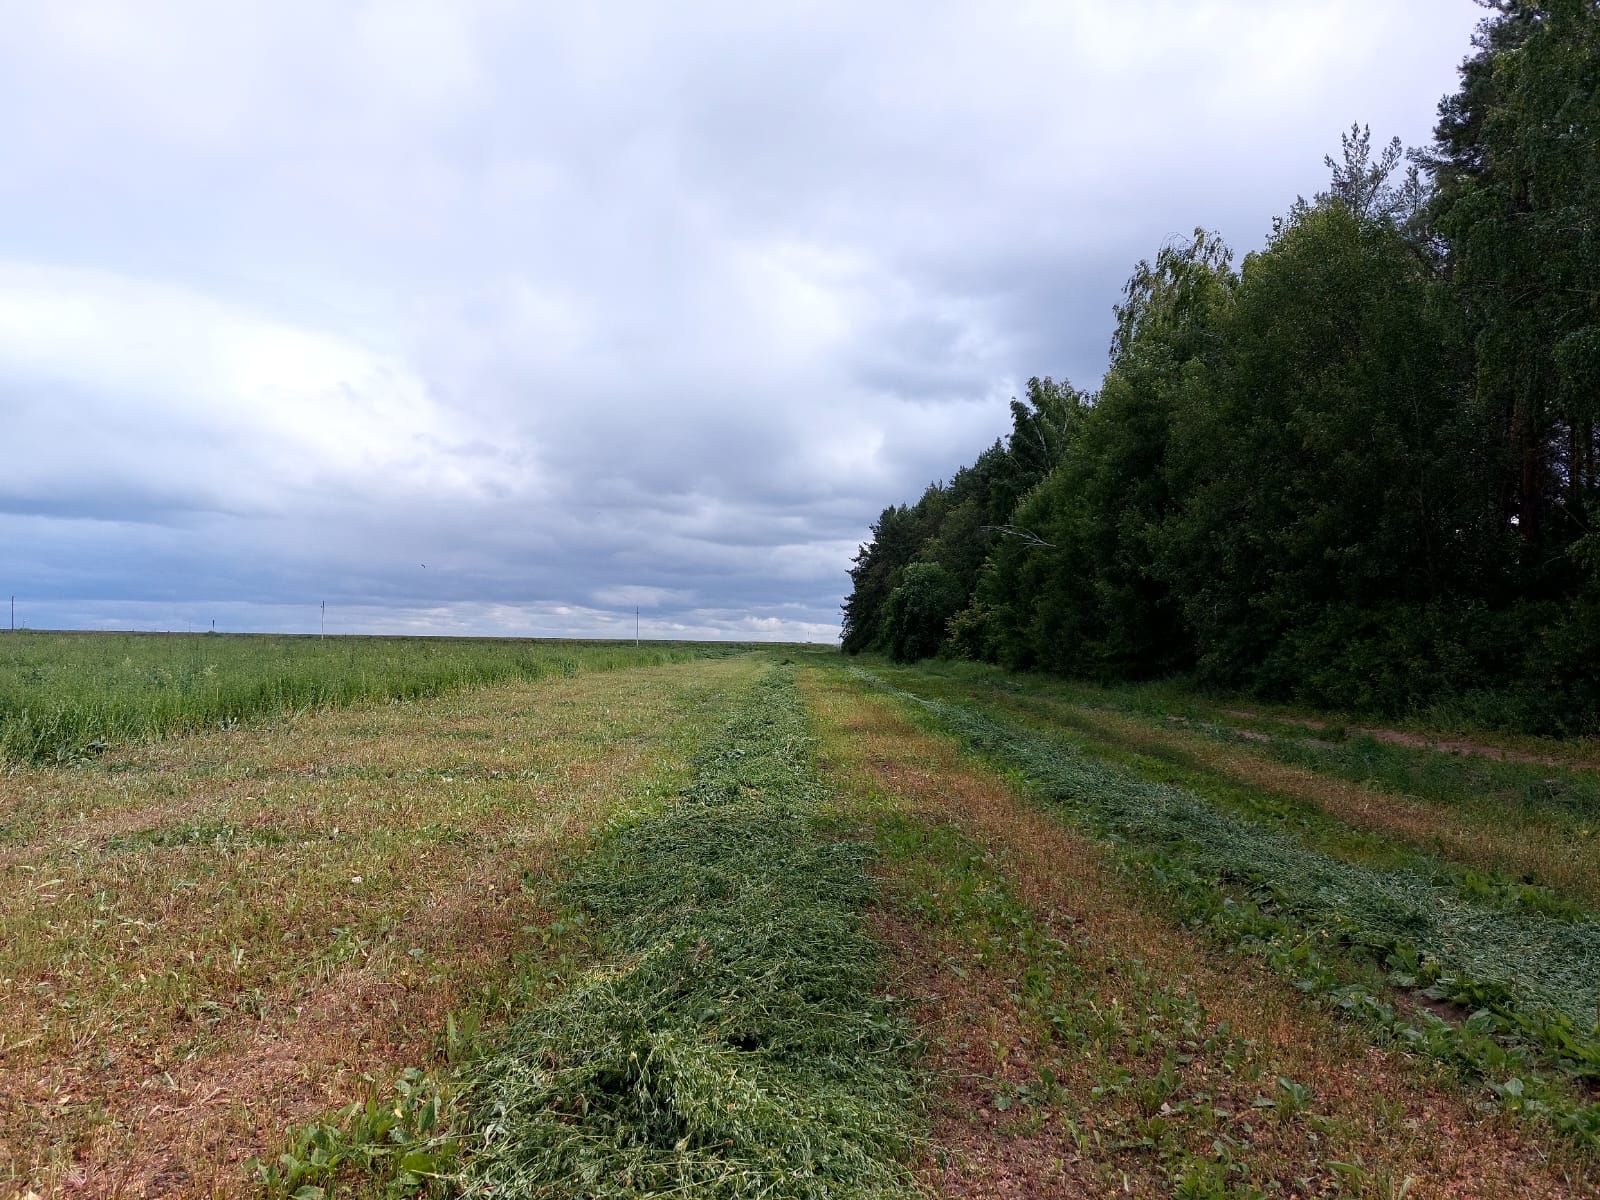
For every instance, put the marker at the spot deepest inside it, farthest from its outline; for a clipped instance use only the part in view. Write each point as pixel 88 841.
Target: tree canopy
pixel 1357 468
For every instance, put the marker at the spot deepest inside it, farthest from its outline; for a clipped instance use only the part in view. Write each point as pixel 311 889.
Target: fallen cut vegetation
pixel 1489 847
pixel 1525 985
pixel 1085 1043
pixel 637 933
pixel 1498 831
pixel 730 1039
pixel 212 937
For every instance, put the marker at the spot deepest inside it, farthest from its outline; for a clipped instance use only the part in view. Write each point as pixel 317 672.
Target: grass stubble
pixel 1530 816
pixel 209 938
pixel 641 947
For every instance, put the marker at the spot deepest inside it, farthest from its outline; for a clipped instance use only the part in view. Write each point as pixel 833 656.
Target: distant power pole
pixel 13 614
pixel 635 624
pixel 324 618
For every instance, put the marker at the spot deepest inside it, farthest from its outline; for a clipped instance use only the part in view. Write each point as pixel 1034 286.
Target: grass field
pixel 772 923
pixel 66 696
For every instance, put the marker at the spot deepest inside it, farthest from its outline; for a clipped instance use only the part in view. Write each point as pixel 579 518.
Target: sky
pixel 509 318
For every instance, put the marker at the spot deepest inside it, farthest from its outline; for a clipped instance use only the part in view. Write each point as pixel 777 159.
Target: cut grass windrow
pixel 1083 1044
pixel 730 1039
pixel 1361 826
pixel 1501 833
pixel 1529 982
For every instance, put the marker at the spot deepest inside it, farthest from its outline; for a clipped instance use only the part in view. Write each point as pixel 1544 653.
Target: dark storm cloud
pixel 597 306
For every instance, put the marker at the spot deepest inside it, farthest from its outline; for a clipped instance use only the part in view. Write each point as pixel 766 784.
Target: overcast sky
pixel 508 317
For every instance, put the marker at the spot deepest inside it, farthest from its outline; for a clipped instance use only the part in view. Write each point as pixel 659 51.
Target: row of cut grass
pixel 209 936
pixel 1543 776
pixel 1529 981
pixel 1489 866
pixel 67 696
pixel 1084 1044
pixel 730 1040
pixel 1457 780
pixel 1117 1060
pixel 1509 832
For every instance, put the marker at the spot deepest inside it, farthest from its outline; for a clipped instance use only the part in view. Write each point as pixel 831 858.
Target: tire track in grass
pixel 730 1039
pixel 1086 1046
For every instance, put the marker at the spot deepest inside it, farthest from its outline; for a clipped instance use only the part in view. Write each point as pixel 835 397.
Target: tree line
pixel 1356 469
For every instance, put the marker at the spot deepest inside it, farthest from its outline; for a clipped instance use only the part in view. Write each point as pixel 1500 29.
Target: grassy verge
pixel 67 696
pixel 1345 932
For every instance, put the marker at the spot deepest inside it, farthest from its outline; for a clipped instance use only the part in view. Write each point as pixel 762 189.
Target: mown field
pixel 777 923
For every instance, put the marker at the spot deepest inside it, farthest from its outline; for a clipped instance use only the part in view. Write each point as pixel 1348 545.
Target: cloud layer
pixel 510 318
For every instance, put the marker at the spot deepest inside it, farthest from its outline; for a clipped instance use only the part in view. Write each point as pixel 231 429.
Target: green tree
pixel 1516 169
pixel 919 610
pixel 1076 589
pixel 1323 466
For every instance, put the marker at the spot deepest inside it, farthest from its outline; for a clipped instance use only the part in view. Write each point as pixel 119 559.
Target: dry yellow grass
pixel 209 938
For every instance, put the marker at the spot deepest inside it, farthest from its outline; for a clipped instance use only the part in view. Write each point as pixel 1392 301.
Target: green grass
pixel 288 906
pixel 1165 1078
pixel 1486 785
pixel 67 696
pixel 1531 982
pixel 729 1037
pixel 1528 830
pixel 730 1041
pixel 1160 762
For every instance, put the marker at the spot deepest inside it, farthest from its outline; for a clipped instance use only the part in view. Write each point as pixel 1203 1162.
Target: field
pixel 580 920
pixel 66 697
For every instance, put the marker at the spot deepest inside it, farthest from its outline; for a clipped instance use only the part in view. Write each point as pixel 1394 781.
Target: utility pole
pixel 324 619
pixel 636 625
pixel 13 614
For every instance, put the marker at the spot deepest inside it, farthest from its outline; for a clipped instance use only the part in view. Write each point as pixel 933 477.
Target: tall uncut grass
pixel 64 696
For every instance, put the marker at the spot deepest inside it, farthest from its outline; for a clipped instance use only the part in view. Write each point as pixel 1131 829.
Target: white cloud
pixel 634 596
pixel 593 306
pixel 251 413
